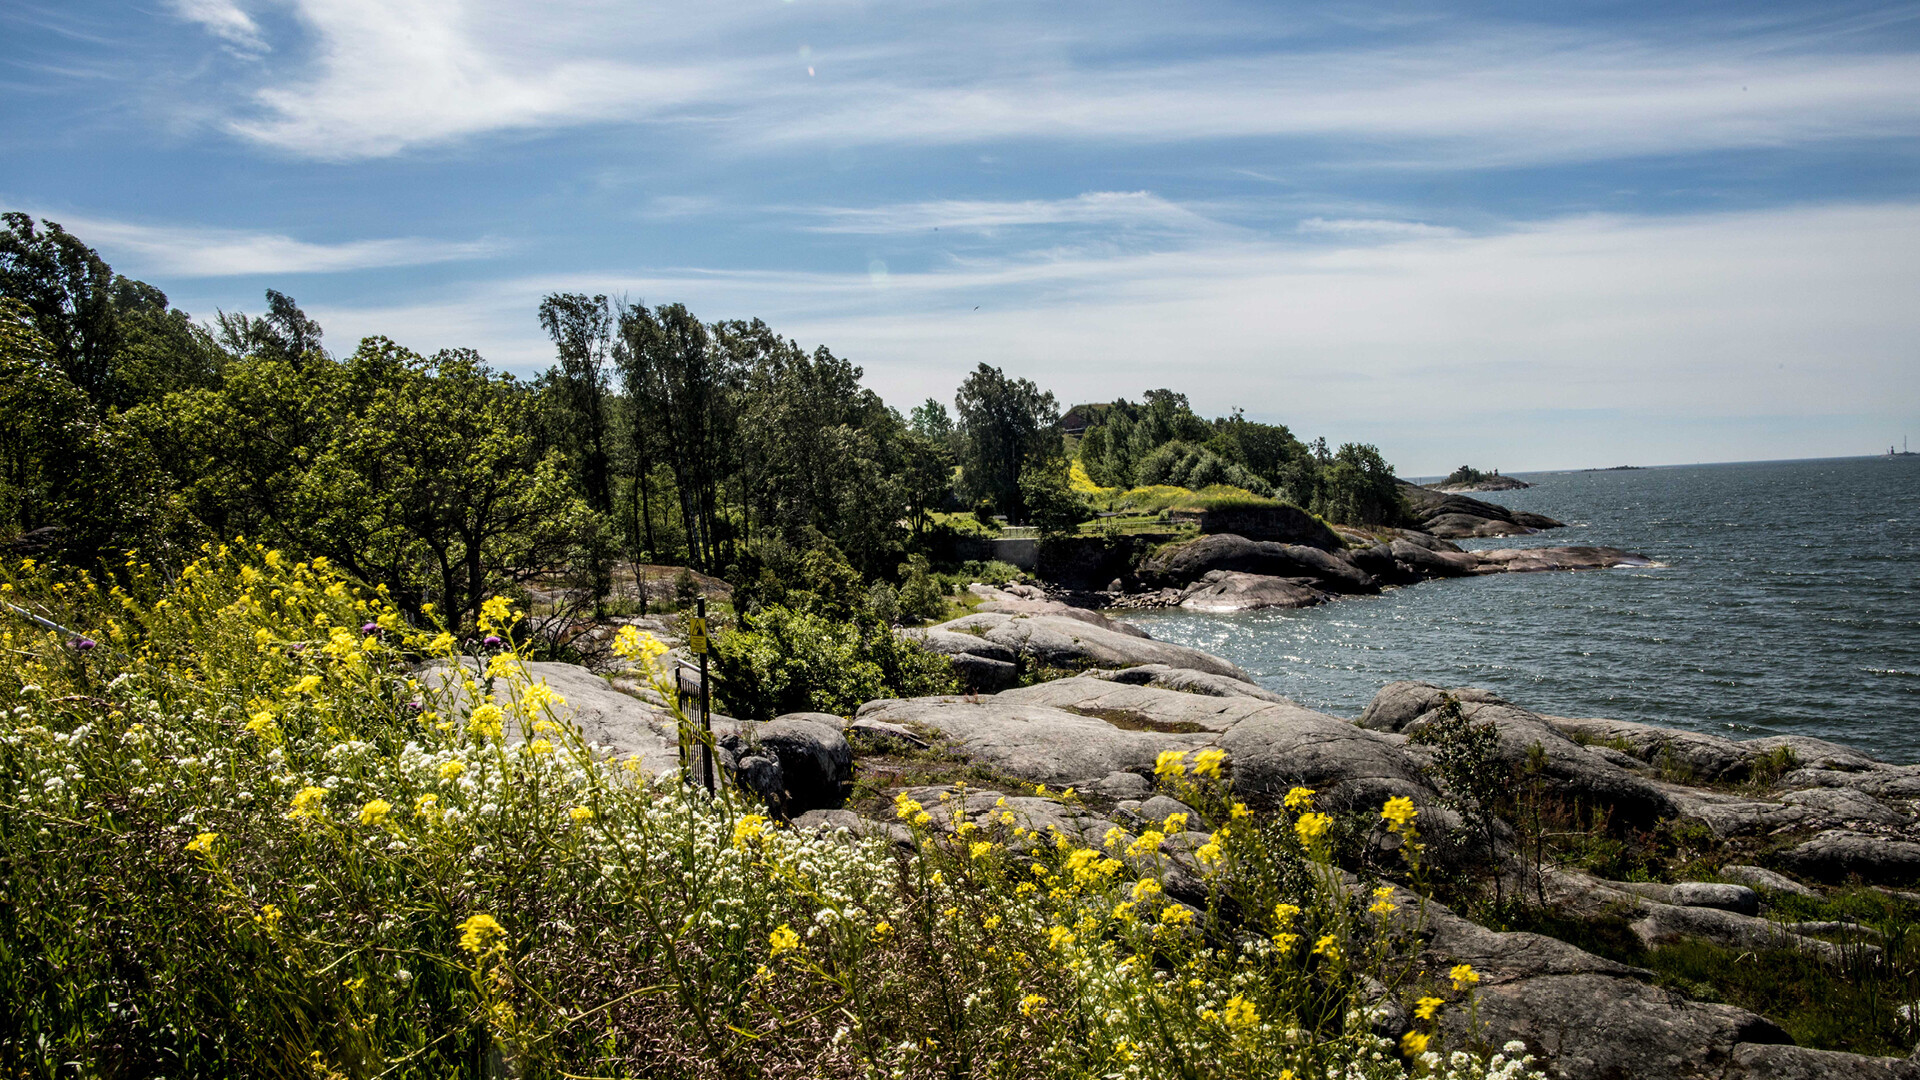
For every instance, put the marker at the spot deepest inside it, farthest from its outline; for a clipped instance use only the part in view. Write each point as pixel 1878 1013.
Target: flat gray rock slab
pixel 1032 741
pixel 1593 1026
pixel 1278 747
pixel 1765 880
pixel 1224 591
pixel 1186 680
pixel 1837 854
pixel 619 723
pixel 1756 1061
pixel 1068 643
pixel 1145 706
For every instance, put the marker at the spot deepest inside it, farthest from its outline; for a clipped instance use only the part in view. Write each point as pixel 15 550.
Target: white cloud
pixel 1123 209
pixel 1375 227
pixel 201 252
pixel 225 20
pixel 1651 327
pixel 396 74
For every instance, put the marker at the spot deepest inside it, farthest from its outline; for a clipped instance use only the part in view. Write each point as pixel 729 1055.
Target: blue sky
pixel 1527 236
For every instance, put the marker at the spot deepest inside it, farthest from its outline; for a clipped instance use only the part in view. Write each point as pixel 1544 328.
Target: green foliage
pixel 1358 488
pixel 782 660
pixel 1475 782
pixel 920 597
pixel 419 474
pixel 76 483
pixel 1006 426
pixel 1465 474
pixel 1051 502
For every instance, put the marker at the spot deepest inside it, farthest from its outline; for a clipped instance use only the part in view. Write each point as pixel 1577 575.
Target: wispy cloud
pixel 1374 227
pixel 388 77
pixel 224 19
pixel 1794 311
pixel 182 251
pixel 1121 209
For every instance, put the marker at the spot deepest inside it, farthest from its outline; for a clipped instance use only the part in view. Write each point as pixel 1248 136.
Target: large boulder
pixel 1421 562
pixel 615 722
pixel 1457 516
pixel 815 761
pixel 1571 771
pixel 1053 641
pixel 1032 741
pixel 1223 591
pixel 1334 571
pixel 1530 560
pixel 1140 707
pixel 1281 746
pixel 982 666
pixel 1184 679
pixel 1838 854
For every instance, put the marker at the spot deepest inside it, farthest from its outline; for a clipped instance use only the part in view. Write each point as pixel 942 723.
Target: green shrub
pixel 781 660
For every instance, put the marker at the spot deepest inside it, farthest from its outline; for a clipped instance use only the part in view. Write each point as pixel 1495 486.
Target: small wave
pixel 1891 671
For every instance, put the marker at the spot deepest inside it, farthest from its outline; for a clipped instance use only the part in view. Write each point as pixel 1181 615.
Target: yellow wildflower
pixel 1170 763
pixel 1175 822
pixel 581 813
pixel 1176 915
pixel 783 939
pixel 1145 887
pixel 426 806
pixel 881 929
pixel 1299 799
pixel 1208 762
pixel 375 812
pixel 1414 1043
pixel 1381 904
pixel 751 827
pixel 1148 843
pixel 269 916
pixel 1123 911
pixel 495 613
pixel 1328 946
pixel 1399 813
pixel 1030 1003
pixel 1059 937
pixel 980 849
pixel 1239 1013
pixel 451 769
pixel 1210 853
pixel 1311 827
pixel 306 803
pixel 1427 1006
pixel 539 746
pixel 1240 810
pixel 1284 914
pixel 441 645
pixel 203 844
pixel 485 721
pixel 1464 976
pixel 482 934
pixel 1285 942
pixel 307 685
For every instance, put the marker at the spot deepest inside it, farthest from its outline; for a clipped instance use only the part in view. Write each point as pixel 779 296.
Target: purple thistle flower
pixel 82 644
pixel 370 628
pixel 492 641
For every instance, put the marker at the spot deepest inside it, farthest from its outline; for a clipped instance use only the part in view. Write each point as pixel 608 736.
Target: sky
pixel 1528 236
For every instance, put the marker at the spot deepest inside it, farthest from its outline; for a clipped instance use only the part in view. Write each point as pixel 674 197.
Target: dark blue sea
pixel 1787 602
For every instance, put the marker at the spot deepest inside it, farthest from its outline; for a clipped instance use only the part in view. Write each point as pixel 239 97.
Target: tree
pixel 418 474
pixel 72 481
pixel 582 330
pixel 283 333
pixel 930 421
pixel 1358 488
pixel 68 289
pixel 1050 500
pixel 1004 424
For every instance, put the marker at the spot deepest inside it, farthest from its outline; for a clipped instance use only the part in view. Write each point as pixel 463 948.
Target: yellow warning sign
pixel 697 636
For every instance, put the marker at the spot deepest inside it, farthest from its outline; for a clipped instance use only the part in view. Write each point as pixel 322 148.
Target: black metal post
pixel 706 712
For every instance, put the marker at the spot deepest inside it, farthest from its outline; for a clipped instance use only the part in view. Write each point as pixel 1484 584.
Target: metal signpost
pixel 697 644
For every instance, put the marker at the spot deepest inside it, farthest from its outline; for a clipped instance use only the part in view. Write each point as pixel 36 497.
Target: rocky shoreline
pixel 1784 817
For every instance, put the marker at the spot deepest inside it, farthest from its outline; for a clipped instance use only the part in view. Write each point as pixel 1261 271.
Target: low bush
pixel 244 832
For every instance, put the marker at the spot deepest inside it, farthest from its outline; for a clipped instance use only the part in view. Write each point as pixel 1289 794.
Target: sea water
pixel 1786 602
